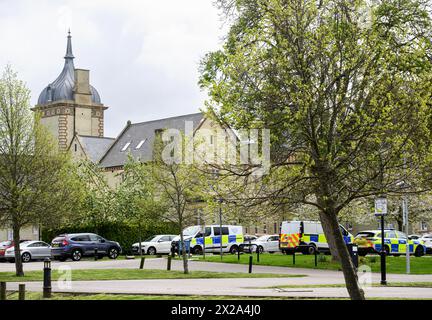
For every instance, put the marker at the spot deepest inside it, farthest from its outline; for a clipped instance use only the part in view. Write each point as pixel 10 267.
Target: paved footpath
pixel 233 287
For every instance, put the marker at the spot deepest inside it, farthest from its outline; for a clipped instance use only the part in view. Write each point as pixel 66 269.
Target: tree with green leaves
pixel 136 198
pixel 344 86
pixel 179 184
pixel 96 204
pixel 36 183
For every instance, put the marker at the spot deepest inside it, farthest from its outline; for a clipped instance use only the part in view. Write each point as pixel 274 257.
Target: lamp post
pixel 381 210
pixel 405 216
pixel 220 226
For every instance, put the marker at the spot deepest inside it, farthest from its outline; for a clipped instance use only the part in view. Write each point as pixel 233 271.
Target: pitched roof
pixel 137 139
pixel 95 147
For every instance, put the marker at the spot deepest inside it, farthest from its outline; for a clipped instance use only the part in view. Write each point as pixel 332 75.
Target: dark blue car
pixel 77 245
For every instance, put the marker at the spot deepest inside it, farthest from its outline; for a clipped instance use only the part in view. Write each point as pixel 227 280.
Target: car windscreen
pixel 262 238
pixel 191 231
pixel 5 244
pixel 150 239
pixel 58 239
pixel 365 235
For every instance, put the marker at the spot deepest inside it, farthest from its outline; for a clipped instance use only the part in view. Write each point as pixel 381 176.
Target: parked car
pixel 29 250
pixel 427 241
pixel 267 243
pixel 307 237
pixel 154 245
pixel 78 245
pixel 208 238
pixel 395 243
pixel 6 245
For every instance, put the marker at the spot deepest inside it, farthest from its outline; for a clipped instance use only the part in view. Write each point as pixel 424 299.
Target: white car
pixel 155 245
pixel 268 243
pixel 30 250
pixel 427 241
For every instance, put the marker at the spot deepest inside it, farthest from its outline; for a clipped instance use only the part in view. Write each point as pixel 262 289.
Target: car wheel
pixel 76 255
pixel 113 253
pixel 26 257
pixel 387 250
pixel 234 249
pixel 260 249
pixel 419 251
pixel 311 249
pixel 151 251
pixel 197 250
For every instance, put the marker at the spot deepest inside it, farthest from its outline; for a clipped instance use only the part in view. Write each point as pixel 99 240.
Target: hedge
pixel 124 233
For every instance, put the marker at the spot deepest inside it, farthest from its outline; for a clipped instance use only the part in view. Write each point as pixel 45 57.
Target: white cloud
pixel 143 55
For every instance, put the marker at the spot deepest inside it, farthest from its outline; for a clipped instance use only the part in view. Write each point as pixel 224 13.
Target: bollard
pixel 172 252
pixel 95 254
pixel 47 278
pixel 238 254
pixel 2 291
pixel 294 257
pixel 21 292
pixel 258 254
pixel 142 262
pixel 169 263
pixel 316 259
pixel 250 264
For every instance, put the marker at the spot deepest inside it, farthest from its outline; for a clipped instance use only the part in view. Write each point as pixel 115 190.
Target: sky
pixel 143 55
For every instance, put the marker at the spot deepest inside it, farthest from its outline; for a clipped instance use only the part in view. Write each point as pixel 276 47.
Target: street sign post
pixel 381 211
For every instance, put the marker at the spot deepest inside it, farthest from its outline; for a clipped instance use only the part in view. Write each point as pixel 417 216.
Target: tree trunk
pixel 184 256
pixel 333 234
pixel 330 240
pixel 16 239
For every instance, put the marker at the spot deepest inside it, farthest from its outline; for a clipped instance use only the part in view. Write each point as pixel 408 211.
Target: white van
pixel 208 238
pixel 310 233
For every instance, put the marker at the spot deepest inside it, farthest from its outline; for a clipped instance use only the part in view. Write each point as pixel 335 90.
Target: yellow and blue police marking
pixel 216 240
pixel 397 245
pixel 320 238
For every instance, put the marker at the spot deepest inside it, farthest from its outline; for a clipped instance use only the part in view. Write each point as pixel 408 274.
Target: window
pixel 275 228
pixel 94 237
pixel 125 147
pixel 390 234
pixel 423 226
pixel 225 230
pixel 274 238
pixel 207 232
pixel 164 239
pixel 401 235
pixel 140 144
pixel 216 231
pixel 81 238
pixel 76 147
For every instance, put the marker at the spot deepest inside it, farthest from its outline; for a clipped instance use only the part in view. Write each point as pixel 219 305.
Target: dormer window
pixel 140 144
pixel 126 146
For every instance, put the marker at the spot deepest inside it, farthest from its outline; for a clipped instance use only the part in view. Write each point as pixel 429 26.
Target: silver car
pixel 30 250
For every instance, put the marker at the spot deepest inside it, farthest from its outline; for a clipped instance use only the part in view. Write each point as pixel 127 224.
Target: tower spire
pixel 69 54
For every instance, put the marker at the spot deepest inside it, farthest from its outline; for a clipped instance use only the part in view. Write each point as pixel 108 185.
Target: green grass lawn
pixel 419 265
pixel 135 274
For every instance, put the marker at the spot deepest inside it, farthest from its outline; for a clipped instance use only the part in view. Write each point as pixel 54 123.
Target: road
pixel 234 287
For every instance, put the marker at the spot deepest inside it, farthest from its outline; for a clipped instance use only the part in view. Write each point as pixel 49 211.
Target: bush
pixel 124 233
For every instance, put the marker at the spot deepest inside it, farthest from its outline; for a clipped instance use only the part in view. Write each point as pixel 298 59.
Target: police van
pixel 309 234
pixel 209 238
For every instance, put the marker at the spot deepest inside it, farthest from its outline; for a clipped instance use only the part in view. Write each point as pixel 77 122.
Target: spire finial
pixel 69 54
